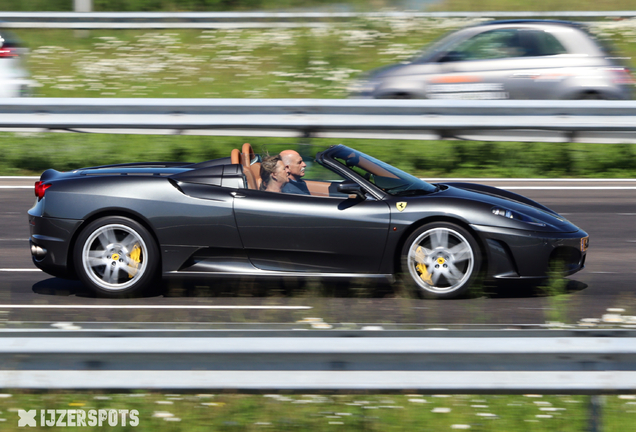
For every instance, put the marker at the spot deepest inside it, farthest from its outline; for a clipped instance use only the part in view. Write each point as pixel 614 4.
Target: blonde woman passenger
pixel 274 174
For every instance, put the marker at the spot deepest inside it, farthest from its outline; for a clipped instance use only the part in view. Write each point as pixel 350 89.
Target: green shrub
pixel 32 153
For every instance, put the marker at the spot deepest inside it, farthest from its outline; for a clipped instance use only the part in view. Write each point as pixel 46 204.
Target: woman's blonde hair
pixel 268 167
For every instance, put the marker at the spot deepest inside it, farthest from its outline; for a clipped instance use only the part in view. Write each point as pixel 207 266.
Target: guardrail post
pixel 595 421
pixel 82 6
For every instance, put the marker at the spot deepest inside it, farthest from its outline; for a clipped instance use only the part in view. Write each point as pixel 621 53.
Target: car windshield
pixel 434 49
pixel 386 177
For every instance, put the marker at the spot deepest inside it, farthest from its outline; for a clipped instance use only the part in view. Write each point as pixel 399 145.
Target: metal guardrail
pixel 335 361
pixel 124 20
pixel 560 121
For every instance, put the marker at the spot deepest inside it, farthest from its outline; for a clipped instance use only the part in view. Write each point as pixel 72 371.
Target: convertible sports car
pixel 119 227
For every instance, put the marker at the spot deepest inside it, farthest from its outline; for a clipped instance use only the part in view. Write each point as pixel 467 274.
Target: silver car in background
pixel 15 79
pixel 515 59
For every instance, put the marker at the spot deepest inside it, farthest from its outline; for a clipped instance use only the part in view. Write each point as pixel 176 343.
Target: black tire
pixel 591 96
pixel 116 257
pixel 400 96
pixel 440 260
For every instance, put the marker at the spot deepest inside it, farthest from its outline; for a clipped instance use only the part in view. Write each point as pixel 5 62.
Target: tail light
pixel 40 189
pixel 622 76
pixel 8 52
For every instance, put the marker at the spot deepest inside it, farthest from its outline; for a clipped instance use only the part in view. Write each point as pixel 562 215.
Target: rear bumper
pixel 516 254
pixel 53 238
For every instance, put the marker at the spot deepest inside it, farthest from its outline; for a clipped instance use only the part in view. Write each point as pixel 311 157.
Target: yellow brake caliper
pixel 135 256
pixel 422 270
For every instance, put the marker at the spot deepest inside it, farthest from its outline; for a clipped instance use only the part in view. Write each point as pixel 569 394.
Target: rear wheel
pixel 116 257
pixel 441 260
pixel 592 95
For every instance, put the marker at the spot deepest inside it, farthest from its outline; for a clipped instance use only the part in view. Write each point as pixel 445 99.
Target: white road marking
pixel 536 180
pixel 529 180
pixel 49 306
pixel 19 177
pixel 20 270
pixel 500 187
pixel 479 180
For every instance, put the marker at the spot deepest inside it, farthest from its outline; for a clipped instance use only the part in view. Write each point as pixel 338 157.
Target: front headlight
pixel 511 214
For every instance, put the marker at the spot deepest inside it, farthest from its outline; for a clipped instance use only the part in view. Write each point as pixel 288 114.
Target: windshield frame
pixel 441 46
pixel 329 159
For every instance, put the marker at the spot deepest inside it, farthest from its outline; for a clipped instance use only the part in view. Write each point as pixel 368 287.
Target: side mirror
pixel 350 187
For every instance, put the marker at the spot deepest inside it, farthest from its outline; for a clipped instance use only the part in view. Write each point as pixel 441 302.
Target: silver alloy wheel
pixel 440 260
pixel 109 257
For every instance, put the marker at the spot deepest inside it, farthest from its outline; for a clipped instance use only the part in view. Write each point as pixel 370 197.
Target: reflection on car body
pixel 519 59
pixel 119 227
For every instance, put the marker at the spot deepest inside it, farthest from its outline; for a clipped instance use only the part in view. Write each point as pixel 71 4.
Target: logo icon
pixel 27 418
pixel 585 243
pixel 401 206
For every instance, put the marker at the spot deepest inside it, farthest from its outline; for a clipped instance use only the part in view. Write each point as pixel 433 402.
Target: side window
pixel 536 43
pixel 550 45
pixel 494 44
pixel 507 43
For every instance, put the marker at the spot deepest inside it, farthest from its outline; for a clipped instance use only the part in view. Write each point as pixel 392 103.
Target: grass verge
pixel 284 412
pixel 32 153
pixel 540 5
pixel 241 63
pixel 325 412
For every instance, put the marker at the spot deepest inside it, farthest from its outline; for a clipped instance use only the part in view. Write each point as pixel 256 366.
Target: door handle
pixel 237 195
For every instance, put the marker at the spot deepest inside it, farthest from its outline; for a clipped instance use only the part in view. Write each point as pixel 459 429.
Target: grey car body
pixel 118 227
pixel 14 76
pixel 520 59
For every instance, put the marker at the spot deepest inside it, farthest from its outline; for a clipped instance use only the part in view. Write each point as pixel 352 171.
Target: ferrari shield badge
pixel 401 206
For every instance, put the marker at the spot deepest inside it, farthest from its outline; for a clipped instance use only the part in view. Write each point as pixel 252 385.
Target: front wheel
pixel 441 260
pixel 116 257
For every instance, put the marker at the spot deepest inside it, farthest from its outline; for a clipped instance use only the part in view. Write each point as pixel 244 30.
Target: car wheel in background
pixel 591 96
pixel 441 260
pixel 400 95
pixel 116 257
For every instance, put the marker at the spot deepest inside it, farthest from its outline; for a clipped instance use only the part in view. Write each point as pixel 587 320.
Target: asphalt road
pixel 605 209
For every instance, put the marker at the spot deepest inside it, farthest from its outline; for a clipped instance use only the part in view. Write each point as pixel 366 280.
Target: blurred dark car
pixel 15 79
pixel 520 59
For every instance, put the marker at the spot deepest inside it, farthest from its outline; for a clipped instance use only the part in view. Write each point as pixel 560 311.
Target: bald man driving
pixel 294 162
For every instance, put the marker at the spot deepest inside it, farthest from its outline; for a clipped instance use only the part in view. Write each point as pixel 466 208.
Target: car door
pixel 475 68
pixel 322 234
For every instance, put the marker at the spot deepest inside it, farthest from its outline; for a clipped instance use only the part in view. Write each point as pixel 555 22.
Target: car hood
pixel 493 197
pixel 384 71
